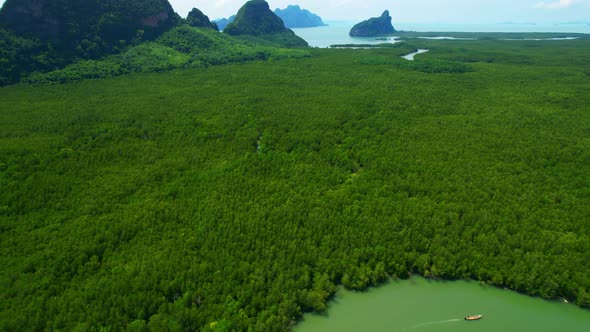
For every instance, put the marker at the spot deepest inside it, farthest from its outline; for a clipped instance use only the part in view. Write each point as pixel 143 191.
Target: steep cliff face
pixel 373 27
pixel 295 17
pixel 66 22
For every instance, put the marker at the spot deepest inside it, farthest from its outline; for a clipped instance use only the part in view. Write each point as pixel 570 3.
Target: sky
pixel 415 11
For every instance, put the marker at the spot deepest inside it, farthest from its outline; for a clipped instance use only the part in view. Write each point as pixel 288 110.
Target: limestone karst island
pixel 374 27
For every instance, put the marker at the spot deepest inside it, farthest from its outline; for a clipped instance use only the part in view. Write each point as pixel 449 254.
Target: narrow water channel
pixel 413 54
pixel 419 304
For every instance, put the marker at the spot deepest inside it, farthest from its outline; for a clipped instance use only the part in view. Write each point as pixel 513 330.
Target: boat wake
pixel 438 322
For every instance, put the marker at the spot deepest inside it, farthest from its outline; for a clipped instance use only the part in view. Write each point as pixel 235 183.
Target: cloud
pixel 220 3
pixel 561 4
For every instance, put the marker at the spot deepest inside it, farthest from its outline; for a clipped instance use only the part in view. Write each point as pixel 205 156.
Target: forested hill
pixel 88 27
pixel 44 35
pixel 97 39
pixel 182 47
pixel 256 19
pixel 197 19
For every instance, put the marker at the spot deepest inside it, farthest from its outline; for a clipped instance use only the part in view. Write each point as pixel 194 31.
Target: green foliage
pixel 422 65
pixel 46 35
pixel 256 19
pixel 85 69
pixel 283 39
pixel 19 55
pixel 67 22
pixel 181 47
pixel 197 19
pixel 153 57
pixel 189 40
pixel 236 197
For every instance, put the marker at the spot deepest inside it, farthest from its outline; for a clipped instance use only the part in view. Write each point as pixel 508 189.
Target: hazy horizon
pixel 415 11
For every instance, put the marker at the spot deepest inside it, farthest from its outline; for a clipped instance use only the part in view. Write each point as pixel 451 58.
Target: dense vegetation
pixel 182 47
pixel 44 35
pixel 238 196
pixel 197 19
pixel 256 19
pixel 85 35
pixel 81 26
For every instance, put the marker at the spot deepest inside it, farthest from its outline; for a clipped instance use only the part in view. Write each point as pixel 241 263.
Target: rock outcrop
pixel 376 26
pixel 295 17
pixel 197 19
pixel 256 19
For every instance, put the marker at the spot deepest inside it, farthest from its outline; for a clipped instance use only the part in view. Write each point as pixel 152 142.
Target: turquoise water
pixel 334 33
pixel 423 305
pixel 337 31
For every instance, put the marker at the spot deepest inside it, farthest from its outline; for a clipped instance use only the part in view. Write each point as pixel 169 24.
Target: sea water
pixel 337 31
pixel 424 305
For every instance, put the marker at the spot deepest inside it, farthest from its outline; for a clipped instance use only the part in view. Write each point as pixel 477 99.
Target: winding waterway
pixel 413 54
pixel 419 305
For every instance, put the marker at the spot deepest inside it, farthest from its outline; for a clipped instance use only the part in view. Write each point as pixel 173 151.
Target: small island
pixel 295 17
pixel 374 27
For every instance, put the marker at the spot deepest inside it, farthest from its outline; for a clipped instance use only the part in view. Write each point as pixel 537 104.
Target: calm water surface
pixel 423 305
pixel 413 54
pixel 337 31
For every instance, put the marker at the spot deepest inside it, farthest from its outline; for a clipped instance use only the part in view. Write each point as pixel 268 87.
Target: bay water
pixel 337 31
pixel 420 304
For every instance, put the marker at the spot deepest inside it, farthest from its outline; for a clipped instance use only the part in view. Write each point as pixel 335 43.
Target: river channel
pixel 419 304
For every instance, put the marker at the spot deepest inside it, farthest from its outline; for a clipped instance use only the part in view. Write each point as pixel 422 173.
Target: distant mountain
pixel 197 19
pixel 256 19
pixel 295 17
pixel 223 22
pixel 373 27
